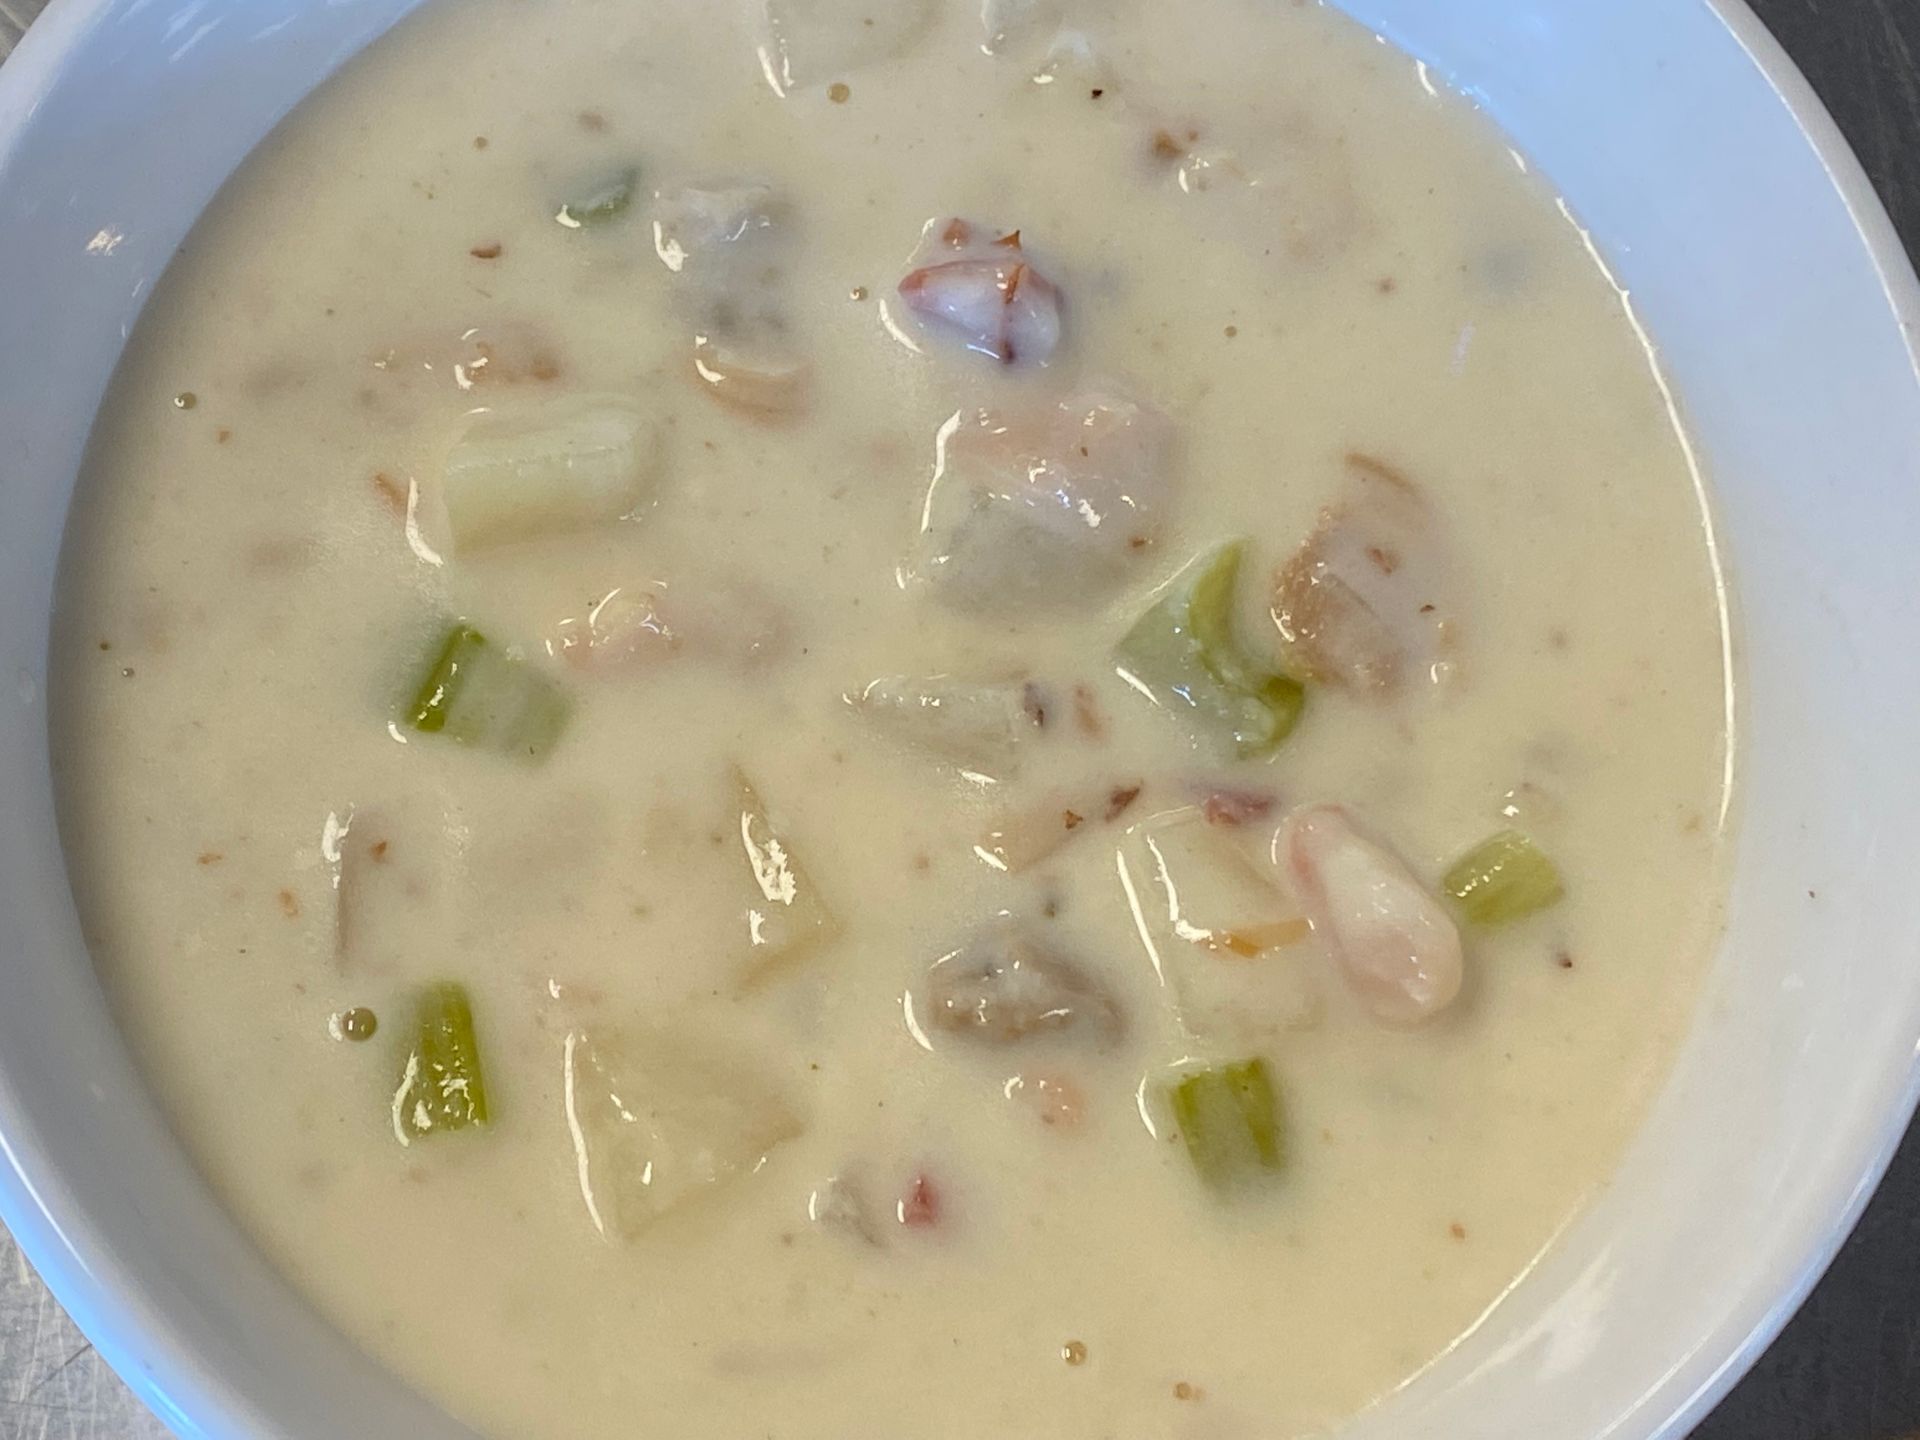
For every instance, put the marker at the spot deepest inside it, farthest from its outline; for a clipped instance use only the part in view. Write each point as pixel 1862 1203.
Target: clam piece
pixel 1365 603
pixel 1006 986
pixel 1055 505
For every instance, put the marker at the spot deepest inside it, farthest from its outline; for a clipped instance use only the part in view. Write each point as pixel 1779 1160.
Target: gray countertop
pixel 53 1386
pixel 1848 1368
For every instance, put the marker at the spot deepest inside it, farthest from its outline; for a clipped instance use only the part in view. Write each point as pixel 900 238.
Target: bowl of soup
pixel 817 719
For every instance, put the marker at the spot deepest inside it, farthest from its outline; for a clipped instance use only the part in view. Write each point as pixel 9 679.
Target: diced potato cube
pixel 658 1123
pixel 557 465
pixel 1224 937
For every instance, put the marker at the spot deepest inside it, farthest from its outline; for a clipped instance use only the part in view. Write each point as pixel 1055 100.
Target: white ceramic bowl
pixel 1754 251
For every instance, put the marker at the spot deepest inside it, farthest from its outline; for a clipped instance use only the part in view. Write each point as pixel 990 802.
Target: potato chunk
pixel 560 464
pixel 658 1123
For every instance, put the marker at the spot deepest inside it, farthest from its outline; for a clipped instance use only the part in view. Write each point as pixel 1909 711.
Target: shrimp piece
pixel 989 297
pixel 919 1205
pixel 1054 1099
pixel 634 627
pixel 1021 838
pixel 1394 941
pixel 626 626
pixel 1363 602
pixel 507 353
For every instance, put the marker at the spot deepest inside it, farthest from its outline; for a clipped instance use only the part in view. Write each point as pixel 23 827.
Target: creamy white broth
pixel 245 614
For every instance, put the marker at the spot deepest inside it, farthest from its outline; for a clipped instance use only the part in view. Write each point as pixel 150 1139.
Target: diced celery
pixel 441 1086
pixel 1503 878
pixel 1183 653
pixel 1229 1119
pixel 607 200
pixel 475 693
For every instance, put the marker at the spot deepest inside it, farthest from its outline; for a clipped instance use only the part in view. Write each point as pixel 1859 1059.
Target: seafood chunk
pixel 1005 986
pixel 1291 188
pixel 1393 939
pixel 1363 603
pixel 628 625
pixel 716 231
pixel 761 380
pixel 1014 25
pixel 728 246
pixel 808 42
pixel 978 287
pixel 633 627
pixel 973 724
pixel 1072 62
pixel 1047 506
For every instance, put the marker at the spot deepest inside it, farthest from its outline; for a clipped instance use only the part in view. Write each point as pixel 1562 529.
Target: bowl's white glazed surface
pixel 1753 251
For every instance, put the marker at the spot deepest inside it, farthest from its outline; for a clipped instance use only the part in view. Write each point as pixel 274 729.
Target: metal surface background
pixel 1848 1368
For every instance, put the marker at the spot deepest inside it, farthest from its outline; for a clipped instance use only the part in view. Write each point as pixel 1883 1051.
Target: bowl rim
pixel 1900 288
pixel 183 1385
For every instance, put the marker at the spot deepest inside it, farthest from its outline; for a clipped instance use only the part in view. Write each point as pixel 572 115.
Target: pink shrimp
pixel 990 297
pixel 1395 942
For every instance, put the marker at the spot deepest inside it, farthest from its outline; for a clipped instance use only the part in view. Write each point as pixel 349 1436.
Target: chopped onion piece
pixel 786 918
pixel 969 723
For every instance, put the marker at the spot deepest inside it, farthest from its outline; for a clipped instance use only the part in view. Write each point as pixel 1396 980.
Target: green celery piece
pixel 441 1085
pixel 1185 652
pixel 1503 878
pixel 1229 1117
pixel 459 649
pixel 476 694
pixel 607 201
